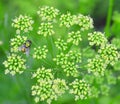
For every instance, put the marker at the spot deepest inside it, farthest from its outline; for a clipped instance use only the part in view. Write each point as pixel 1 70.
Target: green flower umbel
pixel 61 44
pixel 96 66
pixel 80 89
pixel 109 53
pixel 16 43
pixel 45 29
pixel 97 38
pixel 66 20
pixel 14 64
pixel 22 24
pixel 70 69
pixel 59 86
pixel 40 52
pixel 43 74
pixel 74 37
pixel 85 22
pixel 48 13
pixel 43 91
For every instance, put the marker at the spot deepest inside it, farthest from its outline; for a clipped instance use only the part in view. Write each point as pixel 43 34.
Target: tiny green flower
pixel 96 66
pixel 40 52
pixel 74 56
pixel 85 22
pixel 43 74
pixel 16 42
pixel 70 69
pixel 61 59
pixel 66 20
pixel 48 13
pixel 61 45
pixel 97 38
pixel 45 29
pixel 22 24
pixel 59 86
pixel 43 91
pixel 74 37
pixel 14 64
pixel 80 89
pixel 109 53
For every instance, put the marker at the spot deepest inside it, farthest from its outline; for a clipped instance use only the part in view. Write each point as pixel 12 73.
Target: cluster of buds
pixel 14 64
pixel 22 24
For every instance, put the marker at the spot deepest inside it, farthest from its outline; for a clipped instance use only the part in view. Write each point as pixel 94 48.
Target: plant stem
pixel 109 16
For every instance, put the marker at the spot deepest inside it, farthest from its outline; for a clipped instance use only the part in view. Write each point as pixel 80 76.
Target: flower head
pixel 97 38
pixel 59 86
pixel 74 37
pixel 14 64
pixel 109 53
pixel 61 45
pixel 43 91
pixel 74 56
pixel 48 13
pixel 66 20
pixel 70 69
pixel 16 42
pixel 22 24
pixel 40 52
pixel 43 74
pixel 45 29
pixel 61 59
pixel 96 66
pixel 85 22
pixel 80 89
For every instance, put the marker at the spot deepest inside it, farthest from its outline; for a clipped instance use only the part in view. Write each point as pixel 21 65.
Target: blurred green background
pixel 16 90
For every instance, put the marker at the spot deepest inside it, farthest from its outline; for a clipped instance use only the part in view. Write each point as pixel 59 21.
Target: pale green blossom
pixel 59 86
pixel 14 64
pixel 80 89
pixel 43 74
pixel 85 22
pixel 74 37
pixel 109 53
pixel 23 23
pixel 17 42
pixel 40 52
pixel 48 13
pixel 61 44
pixel 96 66
pixel 46 29
pixel 97 38
pixel 43 91
pixel 66 20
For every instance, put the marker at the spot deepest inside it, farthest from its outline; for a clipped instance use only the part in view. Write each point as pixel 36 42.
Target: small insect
pixel 26 47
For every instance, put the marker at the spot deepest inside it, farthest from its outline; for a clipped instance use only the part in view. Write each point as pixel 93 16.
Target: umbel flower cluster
pixel 62 63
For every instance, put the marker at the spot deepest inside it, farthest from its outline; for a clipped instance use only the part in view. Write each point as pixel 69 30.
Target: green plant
pixel 64 64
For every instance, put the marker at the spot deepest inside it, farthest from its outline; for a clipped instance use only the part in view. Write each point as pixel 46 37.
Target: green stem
pixel 50 46
pixel 109 16
pixel 22 89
